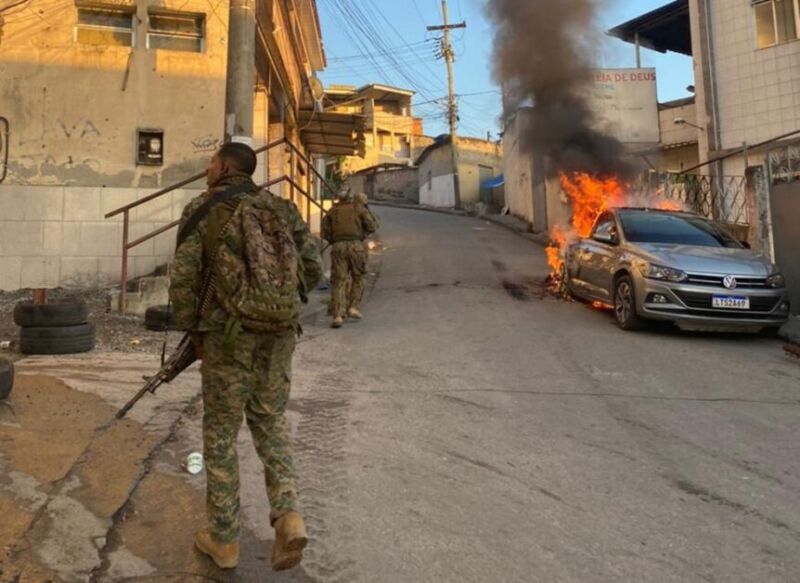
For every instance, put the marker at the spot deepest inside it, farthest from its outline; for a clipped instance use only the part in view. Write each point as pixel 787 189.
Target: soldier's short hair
pixel 240 156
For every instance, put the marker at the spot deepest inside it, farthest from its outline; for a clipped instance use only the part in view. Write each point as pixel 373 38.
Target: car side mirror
pixel 610 238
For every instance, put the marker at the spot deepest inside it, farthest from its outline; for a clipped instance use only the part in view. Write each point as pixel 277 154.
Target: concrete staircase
pixel 143 292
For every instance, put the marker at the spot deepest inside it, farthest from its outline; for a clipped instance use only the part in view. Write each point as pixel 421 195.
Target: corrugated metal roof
pixel 664 29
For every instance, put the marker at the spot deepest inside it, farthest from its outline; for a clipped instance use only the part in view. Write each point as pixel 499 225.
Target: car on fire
pixel 676 266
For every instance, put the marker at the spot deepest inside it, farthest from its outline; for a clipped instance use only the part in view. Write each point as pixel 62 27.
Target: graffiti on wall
pixel 207 143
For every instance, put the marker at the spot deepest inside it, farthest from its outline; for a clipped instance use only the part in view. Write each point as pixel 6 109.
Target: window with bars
pixel 105 26
pixel 776 21
pixel 176 31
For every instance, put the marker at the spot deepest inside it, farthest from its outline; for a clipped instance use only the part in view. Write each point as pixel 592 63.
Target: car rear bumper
pixel 691 305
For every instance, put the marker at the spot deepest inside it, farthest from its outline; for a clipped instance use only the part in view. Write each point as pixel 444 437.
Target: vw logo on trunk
pixel 729 282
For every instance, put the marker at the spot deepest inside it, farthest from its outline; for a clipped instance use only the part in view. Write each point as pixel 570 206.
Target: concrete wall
pixel 74 108
pixel 436 172
pixel 518 169
pixel 73 111
pixel 388 184
pixel 56 236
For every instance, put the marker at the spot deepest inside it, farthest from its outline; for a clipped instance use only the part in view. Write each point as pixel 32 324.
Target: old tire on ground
pixel 625 305
pixel 59 313
pixel 159 318
pixel 57 340
pixel 6 378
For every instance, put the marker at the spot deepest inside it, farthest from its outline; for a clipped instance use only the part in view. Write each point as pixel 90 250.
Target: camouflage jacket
pixel 368 222
pixel 188 270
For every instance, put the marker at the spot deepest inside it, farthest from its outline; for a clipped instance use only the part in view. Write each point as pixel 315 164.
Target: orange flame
pixel 669 205
pixel 588 197
pixel 558 240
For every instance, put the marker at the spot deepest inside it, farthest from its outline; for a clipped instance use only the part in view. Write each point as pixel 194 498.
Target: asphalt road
pixel 470 429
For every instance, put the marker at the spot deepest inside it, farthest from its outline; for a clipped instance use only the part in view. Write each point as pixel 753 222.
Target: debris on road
pixel 792 350
pixel 194 463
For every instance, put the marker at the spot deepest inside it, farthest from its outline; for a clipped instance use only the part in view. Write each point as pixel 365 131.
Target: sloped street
pixel 471 428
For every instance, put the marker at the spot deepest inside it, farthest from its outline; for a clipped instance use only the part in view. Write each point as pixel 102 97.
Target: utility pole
pixel 240 85
pixel 452 114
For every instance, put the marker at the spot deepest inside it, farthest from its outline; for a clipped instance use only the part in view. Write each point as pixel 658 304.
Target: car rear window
pixel 674 229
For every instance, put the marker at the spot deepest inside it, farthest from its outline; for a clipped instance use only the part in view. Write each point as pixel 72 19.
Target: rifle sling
pixel 202 211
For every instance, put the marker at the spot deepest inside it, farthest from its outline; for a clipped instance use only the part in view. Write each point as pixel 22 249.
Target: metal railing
pixel 722 198
pixel 296 192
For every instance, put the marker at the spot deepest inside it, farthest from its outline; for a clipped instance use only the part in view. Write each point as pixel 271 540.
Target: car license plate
pixel 730 302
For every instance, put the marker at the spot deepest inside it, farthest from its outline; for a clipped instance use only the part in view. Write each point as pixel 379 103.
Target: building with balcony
pixel 391 134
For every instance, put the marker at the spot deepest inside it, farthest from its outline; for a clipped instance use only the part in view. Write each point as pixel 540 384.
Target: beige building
pixel 107 102
pixel 479 162
pixel 391 130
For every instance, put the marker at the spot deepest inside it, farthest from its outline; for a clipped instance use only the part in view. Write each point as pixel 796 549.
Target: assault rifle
pixel 181 359
pixel 185 354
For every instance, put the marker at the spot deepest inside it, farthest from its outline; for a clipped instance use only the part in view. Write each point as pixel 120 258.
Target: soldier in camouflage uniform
pixel 346 227
pixel 244 373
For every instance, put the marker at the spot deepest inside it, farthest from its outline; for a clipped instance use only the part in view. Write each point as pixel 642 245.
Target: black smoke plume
pixel 543 57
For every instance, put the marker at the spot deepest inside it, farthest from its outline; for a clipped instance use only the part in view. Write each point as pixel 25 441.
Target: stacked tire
pixel 159 319
pixel 59 327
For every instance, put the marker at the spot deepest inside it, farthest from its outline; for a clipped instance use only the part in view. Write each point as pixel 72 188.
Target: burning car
pixel 654 264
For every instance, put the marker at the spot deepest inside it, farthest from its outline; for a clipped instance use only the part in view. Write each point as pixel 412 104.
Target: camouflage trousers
pixel 251 378
pixel 348 276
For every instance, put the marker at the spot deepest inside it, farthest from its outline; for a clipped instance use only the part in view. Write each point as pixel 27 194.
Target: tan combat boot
pixel 290 540
pixel 355 313
pixel 224 555
pixel 337 322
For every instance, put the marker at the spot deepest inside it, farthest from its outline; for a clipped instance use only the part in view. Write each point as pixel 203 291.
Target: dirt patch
pixel 14 524
pixel 113 463
pixel 50 427
pixel 26 571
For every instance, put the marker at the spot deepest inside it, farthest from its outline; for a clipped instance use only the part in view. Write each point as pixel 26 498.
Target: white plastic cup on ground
pixel 194 463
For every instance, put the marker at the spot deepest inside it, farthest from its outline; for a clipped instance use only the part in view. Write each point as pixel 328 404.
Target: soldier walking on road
pixel 346 227
pixel 260 258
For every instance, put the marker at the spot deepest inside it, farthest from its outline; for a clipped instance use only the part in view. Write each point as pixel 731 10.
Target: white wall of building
pixel 437 191
pixel 517 170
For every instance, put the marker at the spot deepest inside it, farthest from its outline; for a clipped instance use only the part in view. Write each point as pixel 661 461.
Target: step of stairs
pixel 143 293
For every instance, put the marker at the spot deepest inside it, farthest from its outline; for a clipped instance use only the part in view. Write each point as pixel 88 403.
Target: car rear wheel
pixel 625 305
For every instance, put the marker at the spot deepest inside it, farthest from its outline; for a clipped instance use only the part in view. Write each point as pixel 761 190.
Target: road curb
pixel 542 239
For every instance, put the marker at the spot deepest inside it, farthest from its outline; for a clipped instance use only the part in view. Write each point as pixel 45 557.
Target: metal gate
pixel 722 199
pixel 784 174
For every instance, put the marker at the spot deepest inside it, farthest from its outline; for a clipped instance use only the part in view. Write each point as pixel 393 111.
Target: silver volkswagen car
pixel 665 265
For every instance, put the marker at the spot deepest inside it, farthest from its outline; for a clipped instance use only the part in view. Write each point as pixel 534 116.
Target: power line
pixel 358 22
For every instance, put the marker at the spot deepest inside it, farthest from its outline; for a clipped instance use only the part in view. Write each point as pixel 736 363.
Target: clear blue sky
pixel 385 41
